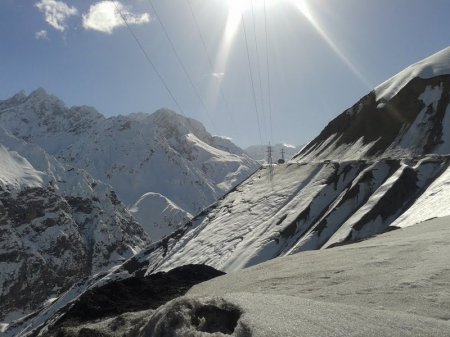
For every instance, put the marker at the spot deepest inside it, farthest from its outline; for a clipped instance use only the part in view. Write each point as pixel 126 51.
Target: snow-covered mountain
pixel 57 226
pixel 162 153
pixel 408 115
pixel 380 162
pixel 380 165
pixel 259 152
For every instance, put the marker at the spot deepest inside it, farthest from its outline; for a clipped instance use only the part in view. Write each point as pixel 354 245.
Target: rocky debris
pixel 138 295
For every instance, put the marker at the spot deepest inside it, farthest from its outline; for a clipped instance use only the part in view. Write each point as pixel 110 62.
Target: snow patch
pixel 16 171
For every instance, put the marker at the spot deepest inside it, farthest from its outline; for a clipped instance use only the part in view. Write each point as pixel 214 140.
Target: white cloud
pixel 105 17
pixel 289 145
pixel 56 13
pixel 224 137
pixel 218 75
pixel 41 35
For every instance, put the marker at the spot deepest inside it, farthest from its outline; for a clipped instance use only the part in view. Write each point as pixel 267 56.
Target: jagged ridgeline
pixel 81 193
pixel 161 161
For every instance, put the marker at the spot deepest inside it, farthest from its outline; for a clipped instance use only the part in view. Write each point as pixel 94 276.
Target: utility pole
pixel 281 160
pixel 270 161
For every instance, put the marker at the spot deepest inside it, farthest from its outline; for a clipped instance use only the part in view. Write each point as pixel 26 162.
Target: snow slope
pixel 17 171
pixel 162 153
pixel 303 207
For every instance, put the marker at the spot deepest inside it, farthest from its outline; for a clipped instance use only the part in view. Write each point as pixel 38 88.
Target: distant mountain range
pixel 140 153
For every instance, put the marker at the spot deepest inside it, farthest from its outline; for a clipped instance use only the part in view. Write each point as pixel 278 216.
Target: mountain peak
pixel 435 65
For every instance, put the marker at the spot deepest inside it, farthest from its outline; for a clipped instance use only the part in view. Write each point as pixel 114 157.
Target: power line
pixel 149 59
pixel 183 67
pixel 251 78
pixel 211 65
pixel 269 95
pixel 258 67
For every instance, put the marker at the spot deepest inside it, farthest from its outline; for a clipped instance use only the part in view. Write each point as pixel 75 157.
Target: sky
pixel 256 71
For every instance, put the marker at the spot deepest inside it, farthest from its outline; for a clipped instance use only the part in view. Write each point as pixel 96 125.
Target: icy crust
pixel 435 65
pixel 57 226
pixel 162 153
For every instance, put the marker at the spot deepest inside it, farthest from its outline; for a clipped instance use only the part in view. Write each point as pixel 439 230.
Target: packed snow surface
pixel 397 284
pixel 434 65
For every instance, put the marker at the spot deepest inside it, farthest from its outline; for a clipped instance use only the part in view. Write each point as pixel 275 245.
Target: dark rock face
pixel 134 294
pixel 62 257
pixel 49 241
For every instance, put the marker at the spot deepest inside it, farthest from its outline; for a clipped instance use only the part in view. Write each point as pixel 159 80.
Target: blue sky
pixel 323 56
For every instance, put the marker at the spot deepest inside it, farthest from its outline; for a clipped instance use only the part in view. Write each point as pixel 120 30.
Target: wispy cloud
pixel 218 75
pixel 104 17
pixel 56 13
pixel 41 35
pixel 289 145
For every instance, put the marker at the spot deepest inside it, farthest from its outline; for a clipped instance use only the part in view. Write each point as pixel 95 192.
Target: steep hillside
pixel 57 226
pixel 162 153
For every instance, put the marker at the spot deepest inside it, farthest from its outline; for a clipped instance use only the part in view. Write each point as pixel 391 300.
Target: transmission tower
pixel 270 161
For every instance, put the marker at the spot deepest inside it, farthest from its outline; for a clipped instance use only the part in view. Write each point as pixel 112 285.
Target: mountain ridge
pixel 163 152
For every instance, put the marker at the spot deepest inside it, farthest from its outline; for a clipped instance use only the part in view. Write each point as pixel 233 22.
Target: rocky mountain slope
pixel 162 153
pixel 381 165
pixel 57 226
